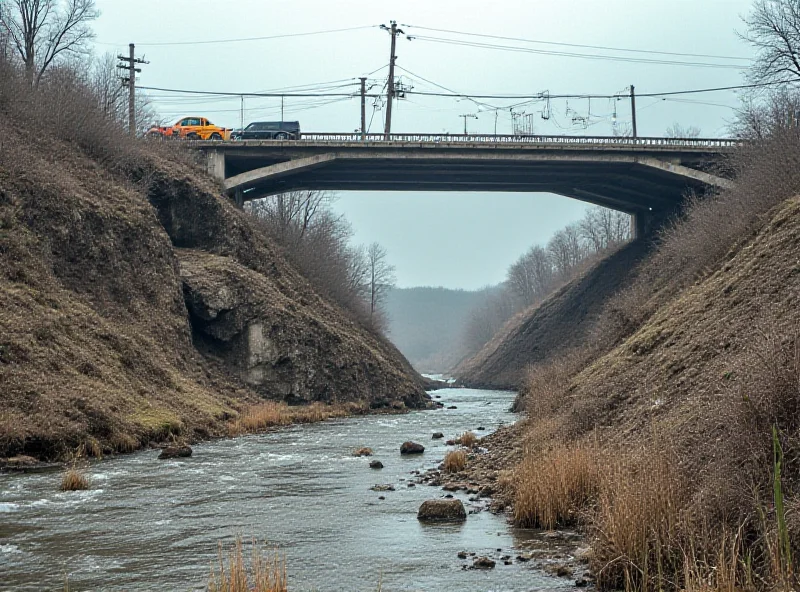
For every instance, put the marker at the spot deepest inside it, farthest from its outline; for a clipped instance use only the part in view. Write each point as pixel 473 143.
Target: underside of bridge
pixel 649 186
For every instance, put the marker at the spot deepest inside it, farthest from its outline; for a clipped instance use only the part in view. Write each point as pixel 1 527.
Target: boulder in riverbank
pixel 175 452
pixel 442 510
pixel 411 448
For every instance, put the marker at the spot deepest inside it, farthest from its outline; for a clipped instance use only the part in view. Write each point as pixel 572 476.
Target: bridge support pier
pixel 645 225
pixel 215 164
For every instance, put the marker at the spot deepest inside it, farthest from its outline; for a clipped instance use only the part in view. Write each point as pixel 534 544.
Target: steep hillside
pixel 563 321
pixel 111 336
pixel 427 324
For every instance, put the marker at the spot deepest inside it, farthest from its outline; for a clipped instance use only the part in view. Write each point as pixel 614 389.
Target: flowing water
pixel 155 525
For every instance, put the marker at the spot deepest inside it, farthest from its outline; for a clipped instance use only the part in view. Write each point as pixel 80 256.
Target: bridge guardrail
pixel 520 139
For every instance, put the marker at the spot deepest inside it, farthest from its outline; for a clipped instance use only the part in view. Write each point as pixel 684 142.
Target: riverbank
pixel 299 488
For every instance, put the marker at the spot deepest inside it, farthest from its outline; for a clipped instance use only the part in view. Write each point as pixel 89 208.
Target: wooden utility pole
pixel 129 64
pixel 363 108
pixel 393 31
pixel 633 111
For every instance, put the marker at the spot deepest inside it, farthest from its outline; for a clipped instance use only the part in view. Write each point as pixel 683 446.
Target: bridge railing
pixel 520 139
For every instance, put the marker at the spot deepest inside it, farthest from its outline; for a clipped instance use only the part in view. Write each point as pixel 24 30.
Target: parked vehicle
pixel 269 130
pixel 191 128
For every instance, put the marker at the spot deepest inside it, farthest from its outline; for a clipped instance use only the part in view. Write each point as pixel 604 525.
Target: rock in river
pixel 384 487
pixel 437 435
pixel 375 464
pixel 363 452
pixel 411 448
pixel 175 452
pixel 483 563
pixel 442 510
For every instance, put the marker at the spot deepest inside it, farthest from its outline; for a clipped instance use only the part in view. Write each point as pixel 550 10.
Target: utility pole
pixel 468 116
pixel 633 111
pixel 282 97
pixel 130 80
pixel 393 31
pixel 363 80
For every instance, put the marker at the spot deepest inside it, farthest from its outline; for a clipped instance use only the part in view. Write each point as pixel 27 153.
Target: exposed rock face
pixel 411 448
pixel 287 348
pixel 442 510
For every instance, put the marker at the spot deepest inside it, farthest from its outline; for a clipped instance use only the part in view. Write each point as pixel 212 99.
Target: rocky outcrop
pixel 285 348
pixel 442 510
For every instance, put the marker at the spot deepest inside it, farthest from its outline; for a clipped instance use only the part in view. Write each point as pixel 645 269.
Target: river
pixel 155 525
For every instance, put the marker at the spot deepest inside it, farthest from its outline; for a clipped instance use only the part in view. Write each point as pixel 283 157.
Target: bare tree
pixel 291 215
pixel 603 228
pixel 381 279
pixel 773 29
pixel 567 250
pixel 676 130
pixel 44 31
pixel 530 278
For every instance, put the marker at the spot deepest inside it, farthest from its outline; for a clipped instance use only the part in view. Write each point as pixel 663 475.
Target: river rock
pixel 452 407
pixel 483 563
pixel 363 452
pixel 462 554
pixel 175 452
pixel 375 464
pixel 385 487
pixel 440 510
pixel 411 448
pixel 437 435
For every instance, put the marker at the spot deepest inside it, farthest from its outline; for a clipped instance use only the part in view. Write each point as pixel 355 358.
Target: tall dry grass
pixel 269 414
pixel 74 479
pixel 265 572
pixel 455 461
pixel 555 488
pixel 467 439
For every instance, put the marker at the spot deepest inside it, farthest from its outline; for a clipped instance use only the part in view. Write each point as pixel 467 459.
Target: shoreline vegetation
pixel 671 436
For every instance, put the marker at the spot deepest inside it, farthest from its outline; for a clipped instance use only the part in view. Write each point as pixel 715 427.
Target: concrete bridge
pixel 645 177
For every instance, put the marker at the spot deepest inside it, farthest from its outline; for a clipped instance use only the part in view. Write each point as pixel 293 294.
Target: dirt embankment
pixel 560 323
pixel 138 306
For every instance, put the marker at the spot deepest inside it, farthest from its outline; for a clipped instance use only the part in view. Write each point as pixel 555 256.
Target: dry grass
pixel 467 439
pixel 269 414
pixel 556 487
pixel 455 461
pixel 266 571
pixel 74 480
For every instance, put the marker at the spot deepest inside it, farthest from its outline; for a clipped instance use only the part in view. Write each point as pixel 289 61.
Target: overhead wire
pixel 612 58
pixel 580 45
pixel 243 39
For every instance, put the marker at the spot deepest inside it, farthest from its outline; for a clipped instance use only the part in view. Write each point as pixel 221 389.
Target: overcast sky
pixel 454 240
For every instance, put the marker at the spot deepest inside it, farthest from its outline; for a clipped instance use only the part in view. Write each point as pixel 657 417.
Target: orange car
pixel 191 128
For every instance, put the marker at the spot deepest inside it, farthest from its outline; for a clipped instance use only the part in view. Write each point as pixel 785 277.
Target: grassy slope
pixel 562 322
pixel 95 339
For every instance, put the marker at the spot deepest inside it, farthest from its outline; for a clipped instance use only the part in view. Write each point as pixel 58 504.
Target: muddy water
pixel 155 525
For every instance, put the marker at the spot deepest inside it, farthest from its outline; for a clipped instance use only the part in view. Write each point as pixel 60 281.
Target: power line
pixel 611 58
pixel 245 39
pixel 579 45
pixel 453 94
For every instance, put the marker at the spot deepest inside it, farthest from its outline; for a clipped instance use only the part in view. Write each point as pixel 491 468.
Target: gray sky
pixel 455 240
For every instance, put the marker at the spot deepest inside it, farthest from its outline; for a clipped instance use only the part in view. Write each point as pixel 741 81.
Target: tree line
pixel 317 241
pixel 542 269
